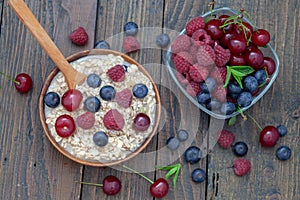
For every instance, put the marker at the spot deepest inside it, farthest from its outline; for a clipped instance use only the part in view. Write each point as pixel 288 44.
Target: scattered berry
pixel 194 25
pixel 198 175
pixel 107 92
pixel 113 120
pixel 140 90
pixel 131 28
pixel 124 98
pixel 102 44
pixel 92 104
pixel 269 136
pixel 52 99
pixel 23 83
pixel 86 120
pixel 141 122
pixel 226 138
pixel 163 40
pixel 282 130
pixel 240 148
pixel 116 73
pixel 111 185
pixel 182 135
pixel 241 166
pixel 100 138
pixel 172 143
pixel 71 99
pixel 283 153
pixel 159 188
pixel 130 44
pixel 79 36
pixel 192 154
pixel 93 80
pixel 65 126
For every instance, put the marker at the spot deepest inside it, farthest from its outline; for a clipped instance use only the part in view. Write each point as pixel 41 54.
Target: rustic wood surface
pixel 31 168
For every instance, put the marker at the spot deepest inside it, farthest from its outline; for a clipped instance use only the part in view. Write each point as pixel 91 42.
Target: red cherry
pixel 237 44
pixel 71 99
pixel 159 188
pixel 260 37
pixel 269 136
pixel 212 27
pixel 237 60
pixel 243 29
pixel 223 18
pixel 23 83
pixel 226 37
pixel 65 126
pixel 254 58
pixel 111 185
pixel 141 122
pixel 270 65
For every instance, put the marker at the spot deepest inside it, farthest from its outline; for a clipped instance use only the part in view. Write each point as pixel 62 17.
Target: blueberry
pixel 192 154
pixel 100 138
pixel 244 99
pixel 213 105
pixel 131 28
pixel 203 97
pixel 261 76
pixel 140 90
pixel 283 153
pixel 240 148
pixel 250 83
pixel 102 44
pixel 228 108
pixel 234 88
pixel 52 99
pixel 162 40
pixel 209 85
pixel 198 175
pixel 173 143
pixel 182 135
pixel 93 80
pixel 92 104
pixel 282 130
pixel 107 92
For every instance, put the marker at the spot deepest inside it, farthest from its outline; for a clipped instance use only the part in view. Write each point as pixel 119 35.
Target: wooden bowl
pixel 95 163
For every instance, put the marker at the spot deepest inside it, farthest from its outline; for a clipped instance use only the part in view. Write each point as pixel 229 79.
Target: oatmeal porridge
pixel 116 111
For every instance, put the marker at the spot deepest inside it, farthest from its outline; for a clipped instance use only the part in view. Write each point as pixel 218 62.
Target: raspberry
pixel 116 73
pixel 183 61
pixel 241 166
pixel 206 55
pixel 222 55
pixel 183 78
pixel 201 37
pixel 86 120
pixel 194 24
pixel 219 74
pixel 193 88
pixel 113 120
pixel 181 43
pixel 198 73
pixel 226 138
pixel 193 51
pixel 130 44
pixel 220 93
pixel 124 98
pixel 79 36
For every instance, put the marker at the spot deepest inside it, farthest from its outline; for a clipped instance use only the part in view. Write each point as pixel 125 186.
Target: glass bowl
pixel 268 51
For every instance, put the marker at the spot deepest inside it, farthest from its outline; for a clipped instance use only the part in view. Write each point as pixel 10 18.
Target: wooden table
pixel 31 168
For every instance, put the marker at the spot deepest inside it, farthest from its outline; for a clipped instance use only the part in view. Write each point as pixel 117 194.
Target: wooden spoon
pixel 72 76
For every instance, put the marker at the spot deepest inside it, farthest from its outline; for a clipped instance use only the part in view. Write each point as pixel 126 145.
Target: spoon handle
pixel 29 20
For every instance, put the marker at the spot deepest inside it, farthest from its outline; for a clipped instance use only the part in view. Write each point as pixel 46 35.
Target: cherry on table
pixel 111 185
pixel 269 136
pixel 159 188
pixel 23 82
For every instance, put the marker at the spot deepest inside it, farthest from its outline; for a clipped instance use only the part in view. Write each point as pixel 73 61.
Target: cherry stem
pixel 9 78
pixel 138 173
pixel 88 183
pixel 257 124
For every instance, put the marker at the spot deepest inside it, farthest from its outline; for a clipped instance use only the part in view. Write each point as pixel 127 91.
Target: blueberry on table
pixel 107 92
pixel 244 99
pixel 283 153
pixel 240 148
pixel 52 99
pixel 182 135
pixel 250 83
pixel 173 143
pixel 131 28
pixel 192 154
pixel 100 138
pixel 198 175
pixel 140 90
pixel 102 44
pixel 282 130
pixel 162 40
pixel 92 104
pixel 93 80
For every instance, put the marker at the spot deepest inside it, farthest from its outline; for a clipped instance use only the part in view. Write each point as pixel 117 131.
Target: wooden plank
pixel 36 170
pixel 112 15
pixel 265 181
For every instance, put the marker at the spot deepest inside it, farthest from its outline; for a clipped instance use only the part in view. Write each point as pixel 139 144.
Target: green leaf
pixel 170 173
pixel 238 72
pixel 228 75
pixel 172 170
pixel 176 177
pixel 232 121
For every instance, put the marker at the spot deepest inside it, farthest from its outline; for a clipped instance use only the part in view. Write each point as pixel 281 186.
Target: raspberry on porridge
pixel 113 117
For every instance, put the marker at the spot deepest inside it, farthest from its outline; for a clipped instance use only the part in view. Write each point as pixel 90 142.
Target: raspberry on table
pixel 226 138
pixel 198 73
pixel 206 55
pixel 86 120
pixel 79 36
pixel 116 73
pixel 124 98
pixel 183 61
pixel 113 120
pixel 194 24
pixel 181 43
pixel 241 166
pixel 130 44
pixel 222 55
